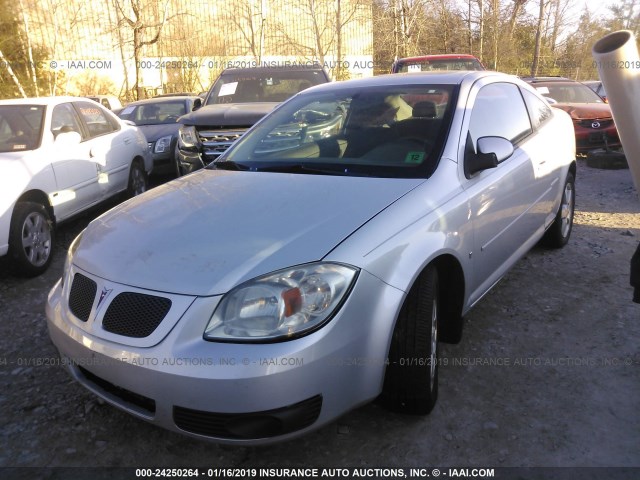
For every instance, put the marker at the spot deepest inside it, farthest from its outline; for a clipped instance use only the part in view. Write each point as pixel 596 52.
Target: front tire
pixel 31 239
pixel 557 236
pixel 411 377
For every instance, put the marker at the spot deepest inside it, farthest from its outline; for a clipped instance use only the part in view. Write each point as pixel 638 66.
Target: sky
pixel 597 7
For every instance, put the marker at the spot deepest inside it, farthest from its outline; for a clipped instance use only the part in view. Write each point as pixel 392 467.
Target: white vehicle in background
pixel 58 157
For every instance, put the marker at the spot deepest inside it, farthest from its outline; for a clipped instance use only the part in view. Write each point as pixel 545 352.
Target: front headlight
pixel 162 145
pixel 69 259
pixel 188 138
pixel 282 305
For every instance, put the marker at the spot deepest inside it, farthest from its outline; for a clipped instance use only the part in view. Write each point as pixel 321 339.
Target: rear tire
pixel 138 181
pixel 411 377
pixel 559 232
pixel 31 239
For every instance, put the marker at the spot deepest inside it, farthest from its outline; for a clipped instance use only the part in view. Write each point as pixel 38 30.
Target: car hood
pixel 232 115
pixel 205 233
pixel 585 111
pixel 153 132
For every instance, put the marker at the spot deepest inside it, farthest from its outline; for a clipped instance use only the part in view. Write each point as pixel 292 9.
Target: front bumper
pixel 188 161
pixel 233 393
pixel 163 163
pixel 591 138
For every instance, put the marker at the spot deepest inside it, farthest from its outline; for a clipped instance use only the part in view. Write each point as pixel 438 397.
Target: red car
pixel 437 62
pixel 592 120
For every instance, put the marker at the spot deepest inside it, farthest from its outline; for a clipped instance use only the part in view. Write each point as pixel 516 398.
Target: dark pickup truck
pixel 237 100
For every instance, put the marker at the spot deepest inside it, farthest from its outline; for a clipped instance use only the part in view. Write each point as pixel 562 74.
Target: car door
pixel 75 172
pixel 502 200
pixel 108 147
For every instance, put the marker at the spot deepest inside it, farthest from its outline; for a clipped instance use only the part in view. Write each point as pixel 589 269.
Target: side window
pixel 499 111
pixel 539 111
pixel 96 120
pixel 65 119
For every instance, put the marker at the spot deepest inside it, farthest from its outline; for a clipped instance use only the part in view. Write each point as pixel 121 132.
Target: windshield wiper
pixel 310 170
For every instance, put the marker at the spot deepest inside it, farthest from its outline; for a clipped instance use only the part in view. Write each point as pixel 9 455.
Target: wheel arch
pixel 451 280
pixel 451 295
pixel 38 196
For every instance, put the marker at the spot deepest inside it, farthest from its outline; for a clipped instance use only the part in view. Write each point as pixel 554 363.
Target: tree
pixel 250 18
pixel 21 62
pixel 625 15
pixel 536 53
pixel 146 21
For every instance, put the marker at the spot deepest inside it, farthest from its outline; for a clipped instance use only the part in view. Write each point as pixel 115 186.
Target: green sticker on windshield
pixel 414 157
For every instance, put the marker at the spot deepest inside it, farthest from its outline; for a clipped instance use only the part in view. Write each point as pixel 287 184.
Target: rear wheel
pixel 559 232
pixel 30 239
pixel 138 182
pixel 411 377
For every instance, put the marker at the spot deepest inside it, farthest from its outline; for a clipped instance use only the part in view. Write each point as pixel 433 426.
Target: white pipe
pixel 618 63
pixel 616 57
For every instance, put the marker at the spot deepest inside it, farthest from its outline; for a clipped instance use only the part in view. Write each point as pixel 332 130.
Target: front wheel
pixel 411 377
pixel 557 236
pixel 138 182
pixel 30 239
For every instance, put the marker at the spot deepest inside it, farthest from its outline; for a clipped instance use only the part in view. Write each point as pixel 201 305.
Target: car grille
pixel 216 142
pixel 264 424
pixel 604 123
pixel 135 314
pixel 81 296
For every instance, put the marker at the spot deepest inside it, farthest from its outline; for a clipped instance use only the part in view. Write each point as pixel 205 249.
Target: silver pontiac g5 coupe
pixel 317 264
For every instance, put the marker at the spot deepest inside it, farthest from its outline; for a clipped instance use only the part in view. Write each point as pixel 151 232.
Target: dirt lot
pixel 547 374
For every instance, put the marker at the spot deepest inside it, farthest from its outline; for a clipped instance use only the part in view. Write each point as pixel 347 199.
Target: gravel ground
pixel 547 374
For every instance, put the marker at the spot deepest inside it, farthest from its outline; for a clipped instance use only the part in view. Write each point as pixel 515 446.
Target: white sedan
pixel 58 157
pixel 317 264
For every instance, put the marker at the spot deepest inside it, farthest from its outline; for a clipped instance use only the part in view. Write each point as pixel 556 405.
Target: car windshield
pixel 20 127
pixel 156 113
pixel 393 131
pixel 569 93
pixel 444 64
pixel 268 86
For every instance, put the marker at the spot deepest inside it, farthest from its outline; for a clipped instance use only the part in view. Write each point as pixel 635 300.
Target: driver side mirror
pixel 197 103
pixel 491 151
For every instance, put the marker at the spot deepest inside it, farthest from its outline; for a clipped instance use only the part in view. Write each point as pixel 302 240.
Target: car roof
pixel 272 69
pixel 547 79
pixel 171 99
pixel 42 100
pixel 444 56
pixel 417 78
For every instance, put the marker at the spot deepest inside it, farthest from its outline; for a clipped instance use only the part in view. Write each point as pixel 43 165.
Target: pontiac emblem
pixel 595 125
pixel 103 295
